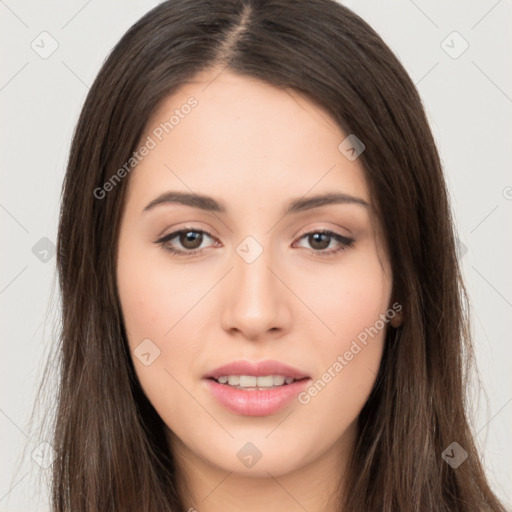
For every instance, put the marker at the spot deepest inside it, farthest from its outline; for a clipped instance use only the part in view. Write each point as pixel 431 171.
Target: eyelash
pixel 342 240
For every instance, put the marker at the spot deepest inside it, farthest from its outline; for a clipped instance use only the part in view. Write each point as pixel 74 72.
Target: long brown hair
pixel 112 453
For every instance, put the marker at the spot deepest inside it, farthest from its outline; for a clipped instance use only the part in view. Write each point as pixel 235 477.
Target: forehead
pixel 246 138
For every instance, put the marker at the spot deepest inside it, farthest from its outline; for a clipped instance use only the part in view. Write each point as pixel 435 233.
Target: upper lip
pixel 258 369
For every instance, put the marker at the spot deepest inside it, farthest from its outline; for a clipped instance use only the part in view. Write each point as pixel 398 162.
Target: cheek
pixel 346 298
pixel 152 304
pixel 154 295
pixel 351 301
pixel 160 304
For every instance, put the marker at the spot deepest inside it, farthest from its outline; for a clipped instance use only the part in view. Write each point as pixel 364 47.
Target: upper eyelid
pixel 174 234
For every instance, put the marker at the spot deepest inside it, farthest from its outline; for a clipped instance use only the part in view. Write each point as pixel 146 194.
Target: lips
pixel 246 400
pixel 260 369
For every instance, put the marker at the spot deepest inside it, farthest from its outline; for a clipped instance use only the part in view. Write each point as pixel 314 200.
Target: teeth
pixel 246 381
pixel 262 382
pixel 279 380
pixel 251 381
pixel 234 380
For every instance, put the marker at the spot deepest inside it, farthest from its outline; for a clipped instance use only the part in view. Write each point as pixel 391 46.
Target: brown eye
pixel 191 239
pixel 185 242
pixel 189 242
pixel 319 241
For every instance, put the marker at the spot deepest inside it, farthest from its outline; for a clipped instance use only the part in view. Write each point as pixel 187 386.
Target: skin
pixel 254 147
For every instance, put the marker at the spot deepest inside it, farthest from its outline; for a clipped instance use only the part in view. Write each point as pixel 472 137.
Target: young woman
pixel 261 302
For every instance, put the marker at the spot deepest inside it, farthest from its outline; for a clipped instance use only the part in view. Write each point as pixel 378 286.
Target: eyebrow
pixel 210 204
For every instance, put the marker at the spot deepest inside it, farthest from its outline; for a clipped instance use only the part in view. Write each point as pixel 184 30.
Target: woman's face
pixel 263 285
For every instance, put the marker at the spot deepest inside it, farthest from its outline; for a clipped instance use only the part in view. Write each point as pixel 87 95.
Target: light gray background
pixel 469 103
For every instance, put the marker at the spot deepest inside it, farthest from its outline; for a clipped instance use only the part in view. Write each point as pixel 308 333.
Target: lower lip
pixel 253 402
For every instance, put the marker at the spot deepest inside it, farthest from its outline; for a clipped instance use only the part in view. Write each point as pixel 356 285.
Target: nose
pixel 256 304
